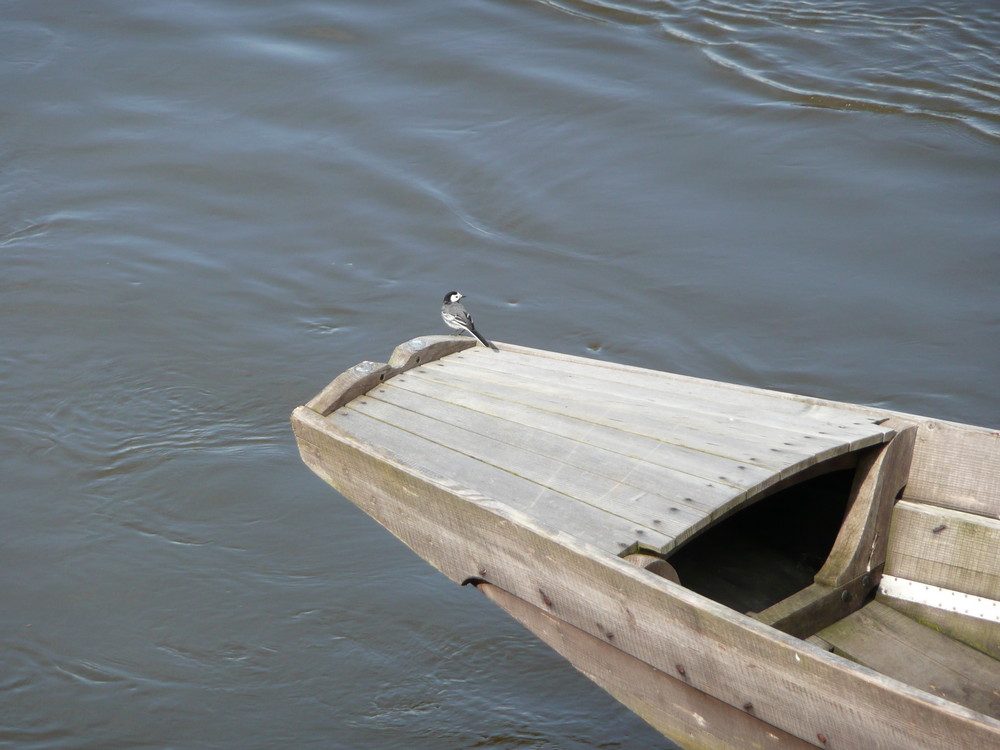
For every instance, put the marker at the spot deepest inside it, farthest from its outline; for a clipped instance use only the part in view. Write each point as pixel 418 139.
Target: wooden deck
pixel 539 477
pixel 621 458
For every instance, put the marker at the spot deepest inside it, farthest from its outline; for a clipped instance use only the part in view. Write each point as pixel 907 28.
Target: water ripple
pixel 893 58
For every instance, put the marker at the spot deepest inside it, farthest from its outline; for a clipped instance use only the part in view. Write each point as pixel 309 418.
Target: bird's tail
pixel 482 339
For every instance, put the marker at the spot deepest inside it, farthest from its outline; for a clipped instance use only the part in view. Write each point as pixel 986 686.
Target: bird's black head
pixel 453 297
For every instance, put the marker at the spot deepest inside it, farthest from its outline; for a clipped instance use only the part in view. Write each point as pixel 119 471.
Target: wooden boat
pixel 740 567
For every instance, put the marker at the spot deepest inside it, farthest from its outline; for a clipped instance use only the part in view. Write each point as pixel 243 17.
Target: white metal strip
pixel 946 599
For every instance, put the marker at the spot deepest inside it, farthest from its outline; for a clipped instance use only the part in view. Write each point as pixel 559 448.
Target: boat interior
pixel 773 560
pixel 770 550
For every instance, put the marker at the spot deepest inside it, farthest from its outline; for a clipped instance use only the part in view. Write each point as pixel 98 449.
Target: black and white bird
pixel 456 316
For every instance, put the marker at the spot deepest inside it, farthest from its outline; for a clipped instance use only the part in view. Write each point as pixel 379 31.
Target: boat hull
pixel 701 672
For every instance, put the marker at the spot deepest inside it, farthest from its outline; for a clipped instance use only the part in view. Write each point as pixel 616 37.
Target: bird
pixel 456 316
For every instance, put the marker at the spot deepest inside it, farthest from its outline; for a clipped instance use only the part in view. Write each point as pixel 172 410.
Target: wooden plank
pixel 893 644
pixel 668 483
pixel 430 380
pixel 981 635
pixel 947 548
pixel 686 715
pixel 683 384
pixel 954 465
pixel 740 446
pixel 771 402
pixel 815 607
pixel 791 684
pixel 861 543
pixel 699 463
pixel 755 406
pixel 952 549
pixel 957 466
pixel 597 526
pixel 542 463
pixel 617 404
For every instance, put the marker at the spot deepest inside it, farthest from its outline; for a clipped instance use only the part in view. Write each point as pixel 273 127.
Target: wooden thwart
pixel 953 550
pixel 813 608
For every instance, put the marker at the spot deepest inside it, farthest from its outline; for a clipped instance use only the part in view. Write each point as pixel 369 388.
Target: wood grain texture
pixel 888 641
pixel 441 444
pixel 551 416
pixel 533 471
pixel 956 466
pixel 572 513
pixel 981 635
pixel 815 607
pixel 686 715
pixel 747 406
pixel 947 548
pixel 637 456
pixel 861 543
pixel 366 375
pixel 607 403
pixel 622 486
pixel 793 685
pixel 656 565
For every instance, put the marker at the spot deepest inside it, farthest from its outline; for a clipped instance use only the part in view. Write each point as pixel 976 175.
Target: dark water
pixel 208 209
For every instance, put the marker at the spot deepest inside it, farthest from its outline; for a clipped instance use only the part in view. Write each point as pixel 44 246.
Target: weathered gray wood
pixel 815 607
pixel 890 642
pixel 653 495
pixel 699 463
pixel 748 406
pixel 982 635
pixel 663 504
pixel 537 461
pixel 855 563
pixel 947 548
pixel 364 376
pixel 743 448
pixel 440 478
pixel 686 385
pixel 791 684
pixel 597 526
pixel 861 543
pixel 956 466
pixel 656 565
pixel 686 715
pixel 667 485
pixel 605 403
pixel 542 446
pixel 744 456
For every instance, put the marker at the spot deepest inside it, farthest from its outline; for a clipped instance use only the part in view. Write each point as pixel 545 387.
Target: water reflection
pixel 211 209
